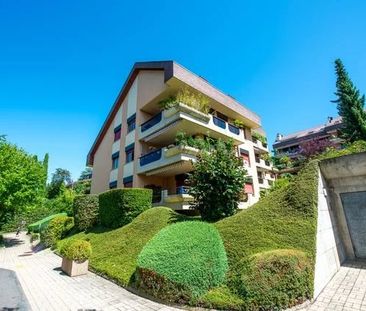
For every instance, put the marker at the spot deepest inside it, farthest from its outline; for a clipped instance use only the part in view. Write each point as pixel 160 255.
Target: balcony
pixel 167 161
pixel 259 146
pixel 162 128
pixel 262 164
pixel 180 200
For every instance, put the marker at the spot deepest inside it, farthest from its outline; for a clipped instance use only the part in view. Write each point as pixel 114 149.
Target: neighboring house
pixel 136 144
pixel 290 145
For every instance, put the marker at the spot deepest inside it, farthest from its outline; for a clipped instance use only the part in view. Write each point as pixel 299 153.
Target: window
pixel 113 184
pixel 248 188
pixel 117 133
pixel 115 160
pixel 245 156
pixel 127 182
pixel 131 123
pixel 130 153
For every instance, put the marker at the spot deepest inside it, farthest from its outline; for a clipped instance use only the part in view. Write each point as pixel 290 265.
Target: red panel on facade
pixel 248 188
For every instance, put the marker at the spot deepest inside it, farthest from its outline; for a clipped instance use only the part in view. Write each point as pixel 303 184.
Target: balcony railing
pixel 182 190
pixel 150 157
pixel 151 122
pixel 234 129
pixel 219 122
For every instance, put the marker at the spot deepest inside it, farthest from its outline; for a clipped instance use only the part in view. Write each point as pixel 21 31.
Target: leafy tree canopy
pixel 217 181
pixel 60 178
pixel 86 173
pixel 22 179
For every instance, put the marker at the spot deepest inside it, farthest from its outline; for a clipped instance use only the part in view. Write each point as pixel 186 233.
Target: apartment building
pixel 290 145
pixel 136 144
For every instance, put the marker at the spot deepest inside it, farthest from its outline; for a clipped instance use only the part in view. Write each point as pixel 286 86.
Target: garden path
pixel 47 288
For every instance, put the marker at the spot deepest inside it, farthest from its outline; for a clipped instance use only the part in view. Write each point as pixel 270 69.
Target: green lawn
pixel 115 251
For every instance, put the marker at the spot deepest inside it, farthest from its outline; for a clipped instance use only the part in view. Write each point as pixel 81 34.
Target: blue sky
pixel 62 63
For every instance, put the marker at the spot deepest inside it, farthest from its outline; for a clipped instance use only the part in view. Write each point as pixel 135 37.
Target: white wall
pixel 327 250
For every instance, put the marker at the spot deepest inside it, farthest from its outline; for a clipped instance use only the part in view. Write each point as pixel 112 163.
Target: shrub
pixel 119 207
pixel 42 224
pixel 182 260
pixel 57 229
pixel 34 237
pixel 77 250
pixel 277 279
pixel 86 210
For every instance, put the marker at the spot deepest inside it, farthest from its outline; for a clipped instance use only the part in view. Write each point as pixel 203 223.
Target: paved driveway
pixel 47 288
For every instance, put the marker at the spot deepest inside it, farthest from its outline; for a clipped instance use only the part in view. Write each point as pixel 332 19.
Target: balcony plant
pixel 256 136
pixel 75 257
pixel 185 100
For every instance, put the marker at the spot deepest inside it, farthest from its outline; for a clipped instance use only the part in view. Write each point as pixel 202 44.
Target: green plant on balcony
pixel 201 143
pixel 238 123
pixel 196 101
pixel 259 137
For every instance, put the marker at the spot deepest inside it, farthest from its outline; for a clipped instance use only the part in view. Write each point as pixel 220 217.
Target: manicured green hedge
pixel 284 219
pixel 119 207
pixel 115 251
pixel 184 259
pixel 86 211
pixel 277 279
pixel 57 229
pixel 76 249
pixel 40 225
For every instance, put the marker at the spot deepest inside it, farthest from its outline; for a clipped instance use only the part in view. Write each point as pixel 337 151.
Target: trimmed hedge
pixel 277 279
pixel 76 249
pixel 40 225
pixel 182 260
pixel 115 251
pixel 57 229
pixel 86 211
pixel 119 207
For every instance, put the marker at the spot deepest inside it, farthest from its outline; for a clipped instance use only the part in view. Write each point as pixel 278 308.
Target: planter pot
pixel 73 268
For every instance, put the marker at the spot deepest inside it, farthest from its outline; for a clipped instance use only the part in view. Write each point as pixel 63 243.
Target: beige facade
pixel 136 145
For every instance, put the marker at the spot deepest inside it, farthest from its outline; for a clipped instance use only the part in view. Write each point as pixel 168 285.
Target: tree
pixel 60 178
pixel 350 105
pixel 86 173
pixel 217 182
pixel 21 181
pixel 315 146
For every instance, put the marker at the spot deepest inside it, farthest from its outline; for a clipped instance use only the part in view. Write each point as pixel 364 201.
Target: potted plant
pixel 75 257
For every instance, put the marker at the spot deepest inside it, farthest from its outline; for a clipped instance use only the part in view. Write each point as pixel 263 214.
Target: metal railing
pixel 219 122
pixel 151 122
pixel 182 190
pixel 234 129
pixel 150 157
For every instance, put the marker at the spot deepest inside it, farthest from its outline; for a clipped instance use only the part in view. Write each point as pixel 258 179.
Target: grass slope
pixel 285 219
pixel 115 252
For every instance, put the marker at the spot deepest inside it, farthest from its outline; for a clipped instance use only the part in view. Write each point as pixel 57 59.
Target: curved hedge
pixel 182 260
pixel 57 229
pixel 277 279
pixel 40 225
pixel 119 207
pixel 86 211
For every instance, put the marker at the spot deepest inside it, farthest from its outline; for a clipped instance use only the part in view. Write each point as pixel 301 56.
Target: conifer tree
pixel 350 105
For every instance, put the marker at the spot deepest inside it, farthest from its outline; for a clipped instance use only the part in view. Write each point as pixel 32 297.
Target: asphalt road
pixel 11 294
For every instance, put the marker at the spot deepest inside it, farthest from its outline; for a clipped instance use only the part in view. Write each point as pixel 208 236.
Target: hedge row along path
pixel 47 288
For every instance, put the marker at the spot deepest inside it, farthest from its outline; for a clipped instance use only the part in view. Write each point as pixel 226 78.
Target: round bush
pixel 86 210
pixel 183 259
pixel 77 250
pixel 56 229
pixel 278 279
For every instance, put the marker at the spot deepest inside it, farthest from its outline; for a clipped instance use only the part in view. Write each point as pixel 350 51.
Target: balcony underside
pixel 172 169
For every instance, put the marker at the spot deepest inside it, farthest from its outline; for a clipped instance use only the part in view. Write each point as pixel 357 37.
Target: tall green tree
pixel 350 105
pixel 217 181
pixel 60 178
pixel 21 181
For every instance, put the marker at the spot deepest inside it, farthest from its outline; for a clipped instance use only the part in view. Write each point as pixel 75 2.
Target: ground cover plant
pixel 115 251
pixel 189 257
